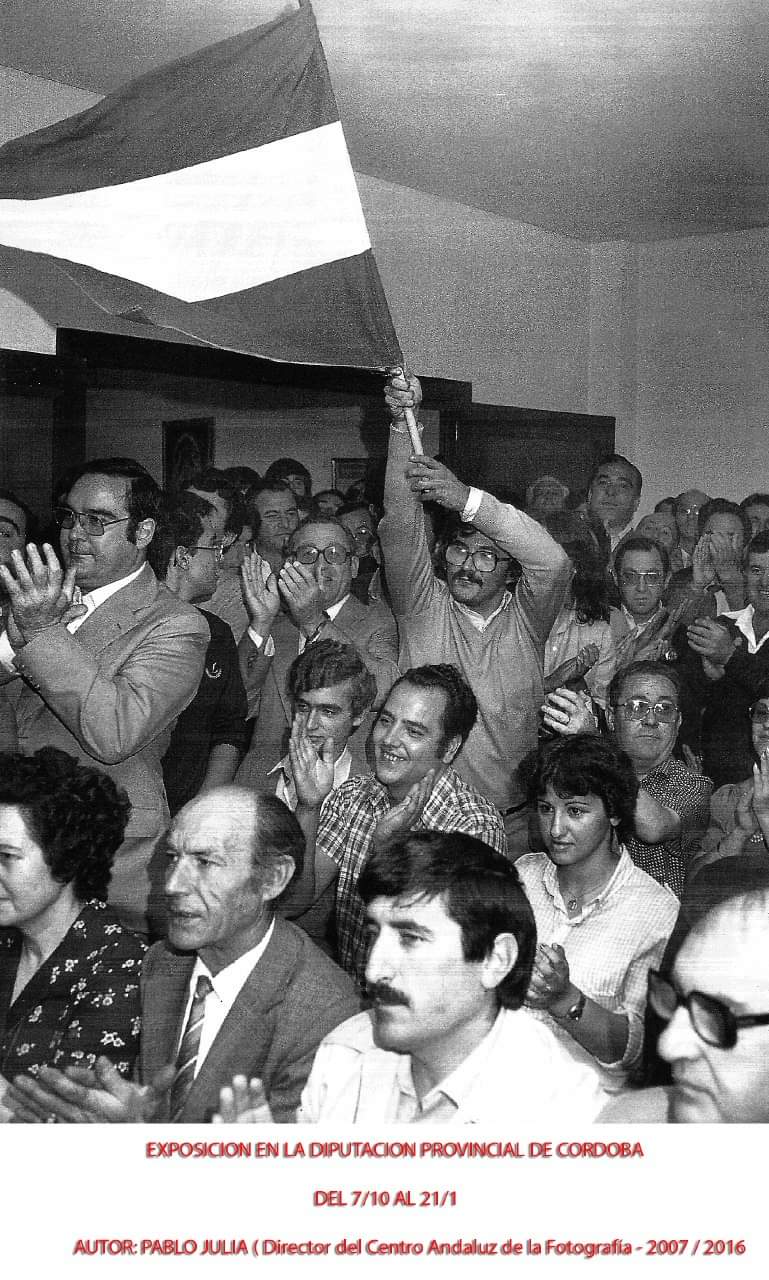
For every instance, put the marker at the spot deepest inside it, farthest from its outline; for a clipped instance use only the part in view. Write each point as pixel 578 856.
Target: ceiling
pixel 599 119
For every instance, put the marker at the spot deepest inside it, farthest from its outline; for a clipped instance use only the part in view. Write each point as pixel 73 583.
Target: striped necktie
pixel 187 1056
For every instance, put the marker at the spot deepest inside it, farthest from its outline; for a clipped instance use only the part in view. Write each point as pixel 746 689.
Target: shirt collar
pixel 333 609
pixel 743 621
pixel 478 621
pixel 621 872
pixel 460 1083
pixel 229 980
pixel 94 598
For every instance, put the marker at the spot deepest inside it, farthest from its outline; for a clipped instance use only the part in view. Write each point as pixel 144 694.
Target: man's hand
pixel 746 819
pixel 243 1102
pixel 313 770
pixel 568 712
pixel 726 561
pixel 703 568
pixel 712 640
pixel 431 481
pixel 761 791
pixel 402 393
pixel 404 816
pixel 40 594
pixel 79 1095
pixel 260 592
pixel 298 587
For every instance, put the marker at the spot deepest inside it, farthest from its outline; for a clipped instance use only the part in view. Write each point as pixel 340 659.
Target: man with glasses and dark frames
pixel 715 1010
pixel 310 599
pixel 644 701
pixel 102 658
pixel 494 632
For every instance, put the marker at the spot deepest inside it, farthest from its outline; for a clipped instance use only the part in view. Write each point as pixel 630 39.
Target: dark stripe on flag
pixel 244 92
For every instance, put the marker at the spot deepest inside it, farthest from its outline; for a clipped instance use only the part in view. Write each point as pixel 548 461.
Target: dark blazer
pixel 370 630
pixel 293 998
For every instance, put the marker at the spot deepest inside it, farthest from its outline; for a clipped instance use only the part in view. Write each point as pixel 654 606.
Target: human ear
pixel 499 961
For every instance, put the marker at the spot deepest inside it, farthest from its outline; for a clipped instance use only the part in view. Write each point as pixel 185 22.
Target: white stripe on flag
pixel 189 233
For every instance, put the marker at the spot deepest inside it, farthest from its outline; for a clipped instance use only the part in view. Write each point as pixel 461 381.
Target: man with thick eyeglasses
pixel 478 620
pixel 715 1010
pixel 99 658
pixel 308 600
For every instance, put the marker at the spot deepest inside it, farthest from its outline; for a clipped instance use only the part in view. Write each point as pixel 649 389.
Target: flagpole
pixel 410 416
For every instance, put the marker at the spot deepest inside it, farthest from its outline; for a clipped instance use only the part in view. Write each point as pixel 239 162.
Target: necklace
pixel 575 901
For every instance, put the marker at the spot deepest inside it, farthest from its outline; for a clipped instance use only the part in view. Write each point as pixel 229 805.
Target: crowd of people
pixel 403 806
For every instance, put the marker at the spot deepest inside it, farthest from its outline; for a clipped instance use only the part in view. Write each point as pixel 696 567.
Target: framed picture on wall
pixel 188 446
pixel 353 471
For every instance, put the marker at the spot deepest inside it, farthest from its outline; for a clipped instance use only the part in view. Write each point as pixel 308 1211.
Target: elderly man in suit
pixel 307 601
pixel 99 660
pixel 234 989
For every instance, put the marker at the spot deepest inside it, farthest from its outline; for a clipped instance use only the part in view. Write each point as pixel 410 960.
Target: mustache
pixel 382 994
pixel 471 577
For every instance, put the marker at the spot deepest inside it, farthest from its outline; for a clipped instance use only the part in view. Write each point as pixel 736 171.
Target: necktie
pixel 188 1049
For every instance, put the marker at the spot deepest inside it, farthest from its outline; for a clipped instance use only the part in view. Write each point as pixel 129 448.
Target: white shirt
pixel 743 620
pixel 227 986
pixel 285 789
pixel 91 600
pixel 519 1073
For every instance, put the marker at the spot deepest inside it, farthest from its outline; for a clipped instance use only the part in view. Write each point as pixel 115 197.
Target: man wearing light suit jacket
pixel 308 600
pixel 101 660
pixel 235 990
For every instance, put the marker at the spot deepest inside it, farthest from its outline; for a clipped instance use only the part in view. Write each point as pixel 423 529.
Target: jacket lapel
pixel 118 613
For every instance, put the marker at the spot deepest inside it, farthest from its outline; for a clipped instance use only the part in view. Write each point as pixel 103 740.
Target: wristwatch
pixel 577 1009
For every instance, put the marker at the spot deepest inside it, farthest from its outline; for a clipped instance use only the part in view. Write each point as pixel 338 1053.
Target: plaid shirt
pixel 610 946
pixel 347 824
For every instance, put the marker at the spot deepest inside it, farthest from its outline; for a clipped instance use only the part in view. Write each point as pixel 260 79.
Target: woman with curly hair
pixel 601 921
pixel 69 971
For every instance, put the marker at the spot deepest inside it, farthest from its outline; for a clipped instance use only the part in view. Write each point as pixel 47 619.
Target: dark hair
pixel 180 524
pixel 76 814
pixel 759 545
pixel 461 709
pixel 27 533
pixel 316 509
pixel 589 585
pixel 326 663
pixel 639 542
pixel 253 516
pixel 282 467
pixel 143 494
pixel 276 833
pixel 362 505
pixel 585 765
pixel 480 890
pixel 670 503
pixel 753 499
pixel 321 519
pixel 723 507
pixel 244 479
pixel 662 670
pixel 619 457
pixel 212 480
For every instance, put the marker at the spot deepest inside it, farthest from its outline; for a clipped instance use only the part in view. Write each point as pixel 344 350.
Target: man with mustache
pixel 451 941
pixel 494 632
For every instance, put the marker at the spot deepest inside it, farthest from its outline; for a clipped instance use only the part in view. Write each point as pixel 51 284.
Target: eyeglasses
pixel 217 548
pixel 333 554
pixel 91 524
pixel 759 714
pixel 638 709
pixel 713 1021
pixel 637 577
pixel 483 561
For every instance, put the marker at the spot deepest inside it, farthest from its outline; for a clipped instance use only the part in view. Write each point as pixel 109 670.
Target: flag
pixel 214 197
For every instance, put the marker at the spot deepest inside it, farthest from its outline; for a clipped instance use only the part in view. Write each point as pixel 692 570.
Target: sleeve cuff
pixel 267 647
pixel 6 653
pixel 472 506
